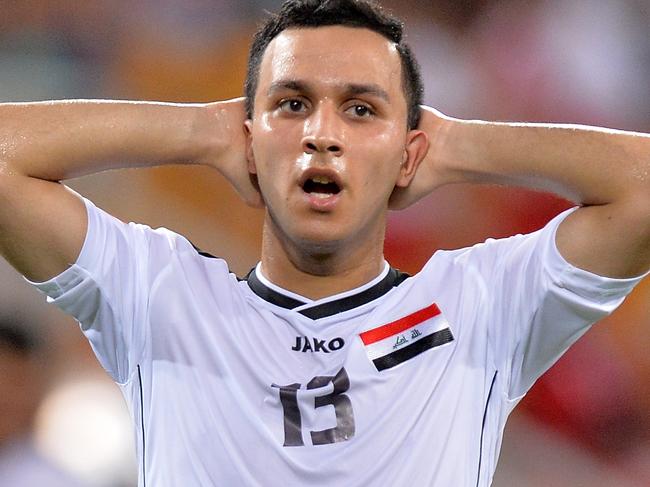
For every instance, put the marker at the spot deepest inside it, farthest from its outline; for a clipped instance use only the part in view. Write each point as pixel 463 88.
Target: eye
pixel 293 106
pixel 360 111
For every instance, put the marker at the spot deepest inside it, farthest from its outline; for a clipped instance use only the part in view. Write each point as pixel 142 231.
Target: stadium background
pixel 586 422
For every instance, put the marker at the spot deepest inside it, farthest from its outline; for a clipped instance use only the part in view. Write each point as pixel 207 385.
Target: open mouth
pixel 320 186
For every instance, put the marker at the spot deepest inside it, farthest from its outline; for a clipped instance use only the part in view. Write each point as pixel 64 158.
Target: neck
pixel 316 271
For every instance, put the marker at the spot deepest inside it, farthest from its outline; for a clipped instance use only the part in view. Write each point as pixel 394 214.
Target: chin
pixel 322 234
pixel 321 240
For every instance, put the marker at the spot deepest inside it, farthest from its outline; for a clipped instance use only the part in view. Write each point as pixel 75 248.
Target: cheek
pixel 262 138
pixel 275 139
pixel 385 152
pixel 273 153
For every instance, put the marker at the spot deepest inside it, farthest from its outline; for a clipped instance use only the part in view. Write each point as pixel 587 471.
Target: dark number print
pixel 292 420
pixel 344 429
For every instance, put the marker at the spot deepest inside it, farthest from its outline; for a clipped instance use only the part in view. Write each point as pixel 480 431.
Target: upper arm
pixel 610 240
pixel 42 225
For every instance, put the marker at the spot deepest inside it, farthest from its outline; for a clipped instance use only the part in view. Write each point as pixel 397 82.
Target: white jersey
pixel 406 381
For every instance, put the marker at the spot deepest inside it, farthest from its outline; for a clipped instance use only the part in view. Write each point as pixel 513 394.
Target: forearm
pixel 588 165
pixel 63 139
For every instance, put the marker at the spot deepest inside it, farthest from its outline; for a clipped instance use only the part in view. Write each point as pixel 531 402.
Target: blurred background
pixel 585 423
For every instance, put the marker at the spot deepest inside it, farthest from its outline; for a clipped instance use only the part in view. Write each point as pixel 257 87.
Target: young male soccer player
pixel 324 366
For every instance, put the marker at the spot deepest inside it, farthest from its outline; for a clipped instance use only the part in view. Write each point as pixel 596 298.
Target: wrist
pixel 218 133
pixel 445 150
pixel 203 143
pixel 463 147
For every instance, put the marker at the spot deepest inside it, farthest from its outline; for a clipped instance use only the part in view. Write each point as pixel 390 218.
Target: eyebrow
pixel 350 89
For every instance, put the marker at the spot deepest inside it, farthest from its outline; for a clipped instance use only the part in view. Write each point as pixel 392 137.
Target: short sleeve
pixel 538 303
pixel 106 290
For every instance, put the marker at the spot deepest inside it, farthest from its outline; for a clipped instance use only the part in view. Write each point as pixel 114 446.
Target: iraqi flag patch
pixel 393 343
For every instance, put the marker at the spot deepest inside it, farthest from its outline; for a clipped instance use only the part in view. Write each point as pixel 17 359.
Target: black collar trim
pixel 394 278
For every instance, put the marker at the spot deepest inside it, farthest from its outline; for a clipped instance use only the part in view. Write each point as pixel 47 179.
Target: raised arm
pixel 605 171
pixel 43 223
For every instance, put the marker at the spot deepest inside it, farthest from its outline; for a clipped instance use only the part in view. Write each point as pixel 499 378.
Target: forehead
pixel 332 55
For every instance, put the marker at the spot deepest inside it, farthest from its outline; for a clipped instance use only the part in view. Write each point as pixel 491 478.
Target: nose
pixel 322 134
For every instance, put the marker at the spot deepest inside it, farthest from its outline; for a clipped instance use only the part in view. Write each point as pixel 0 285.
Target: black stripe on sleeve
pixel 144 479
pixel 203 253
pixel 487 403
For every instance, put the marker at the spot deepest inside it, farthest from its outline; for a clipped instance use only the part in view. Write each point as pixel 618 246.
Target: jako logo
pixel 306 344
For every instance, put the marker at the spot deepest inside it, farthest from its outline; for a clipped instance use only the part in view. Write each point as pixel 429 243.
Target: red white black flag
pixel 393 343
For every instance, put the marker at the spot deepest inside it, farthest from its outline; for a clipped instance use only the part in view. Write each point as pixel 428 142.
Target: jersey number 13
pixel 344 429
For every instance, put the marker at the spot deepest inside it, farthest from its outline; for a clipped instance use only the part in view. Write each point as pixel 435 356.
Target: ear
pixel 416 147
pixel 250 157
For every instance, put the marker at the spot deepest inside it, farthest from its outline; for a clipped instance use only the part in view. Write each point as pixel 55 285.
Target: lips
pixel 322 187
pixel 321 181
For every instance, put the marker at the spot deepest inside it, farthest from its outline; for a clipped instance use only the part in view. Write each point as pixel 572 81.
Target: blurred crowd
pixel 586 422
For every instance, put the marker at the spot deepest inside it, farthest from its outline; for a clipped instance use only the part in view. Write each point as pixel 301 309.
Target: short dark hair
pixel 351 13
